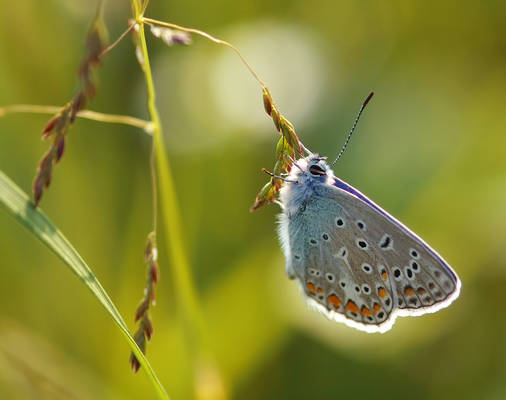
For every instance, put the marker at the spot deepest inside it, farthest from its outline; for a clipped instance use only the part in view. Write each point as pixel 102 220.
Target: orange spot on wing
pixel 311 287
pixel 384 275
pixel 409 291
pixel 366 311
pixel 319 290
pixel 334 300
pixel 421 291
pixel 376 308
pixel 351 306
pixel 382 292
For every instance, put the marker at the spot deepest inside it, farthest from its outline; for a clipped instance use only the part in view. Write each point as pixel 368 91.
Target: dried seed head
pixel 46 169
pixel 59 124
pixel 180 37
pixel 37 190
pixel 171 36
pixel 131 21
pixel 96 38
pixel 141 310
pixel 154 271
pixel 267 101
pixel 50 126
pixel 150 252
pixel 275 118
pixel 147 326
pixel 134 363
pixel 60 148
pixel 77 104
pixel 140 340
pixel 288 144
pixel 264 197
pixel 95 47
pixel 140 57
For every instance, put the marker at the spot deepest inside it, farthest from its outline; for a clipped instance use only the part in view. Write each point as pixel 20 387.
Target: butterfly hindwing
pixel 337 278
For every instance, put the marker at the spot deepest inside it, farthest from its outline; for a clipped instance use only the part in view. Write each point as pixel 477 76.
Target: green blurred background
pixel 430 149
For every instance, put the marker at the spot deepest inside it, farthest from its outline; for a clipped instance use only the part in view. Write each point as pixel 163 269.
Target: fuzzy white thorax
pixel 293 194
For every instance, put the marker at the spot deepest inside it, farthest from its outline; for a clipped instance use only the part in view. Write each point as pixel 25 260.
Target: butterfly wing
pixel 378 268
pixel 337 279
pixel 424 282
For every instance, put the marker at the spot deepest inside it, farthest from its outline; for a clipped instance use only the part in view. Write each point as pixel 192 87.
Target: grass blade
pixel 17 204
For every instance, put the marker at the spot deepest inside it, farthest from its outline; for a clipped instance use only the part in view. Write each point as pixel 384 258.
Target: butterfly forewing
pixel 421 279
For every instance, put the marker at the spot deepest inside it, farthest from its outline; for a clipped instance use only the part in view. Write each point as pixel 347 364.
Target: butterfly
pixel 355 262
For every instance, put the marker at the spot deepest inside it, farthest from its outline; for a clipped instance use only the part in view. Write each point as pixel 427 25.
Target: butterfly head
pixel 312 169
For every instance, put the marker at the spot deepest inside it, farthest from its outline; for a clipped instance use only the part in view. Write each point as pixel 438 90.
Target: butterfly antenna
pixel 353 127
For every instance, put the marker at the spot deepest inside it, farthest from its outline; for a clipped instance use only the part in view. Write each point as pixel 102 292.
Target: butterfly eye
pixel 316 170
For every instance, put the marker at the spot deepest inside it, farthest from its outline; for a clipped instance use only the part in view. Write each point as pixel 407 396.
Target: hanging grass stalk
pixel 145 328
pixel 288 144
pixel 58 126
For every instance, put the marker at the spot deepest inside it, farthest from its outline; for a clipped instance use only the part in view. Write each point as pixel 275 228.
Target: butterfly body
pixel 355 262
